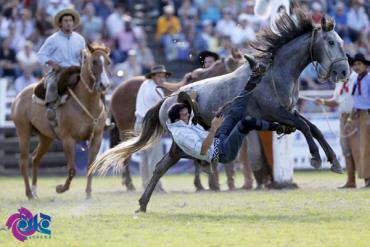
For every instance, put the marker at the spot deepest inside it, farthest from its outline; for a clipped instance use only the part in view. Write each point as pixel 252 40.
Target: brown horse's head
pixel 95 66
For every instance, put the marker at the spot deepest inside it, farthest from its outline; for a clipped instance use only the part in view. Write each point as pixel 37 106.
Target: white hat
pixel 243 17
pixel 168 9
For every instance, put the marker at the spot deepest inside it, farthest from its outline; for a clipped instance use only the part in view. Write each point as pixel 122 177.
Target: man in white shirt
pixel 61 49
pixel 149 95
pixel 343 99
pixel 223 140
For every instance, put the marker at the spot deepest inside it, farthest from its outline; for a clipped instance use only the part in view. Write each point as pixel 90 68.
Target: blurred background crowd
pixel 141 33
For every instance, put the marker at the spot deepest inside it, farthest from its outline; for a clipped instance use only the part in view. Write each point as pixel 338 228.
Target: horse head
pixel 327 49
pixel 95 66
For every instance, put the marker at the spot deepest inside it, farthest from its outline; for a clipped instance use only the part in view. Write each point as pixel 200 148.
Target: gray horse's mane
pixel 287 28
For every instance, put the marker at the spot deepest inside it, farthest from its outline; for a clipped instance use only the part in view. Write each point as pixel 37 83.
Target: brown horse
pixel 80 118
pixel 122 106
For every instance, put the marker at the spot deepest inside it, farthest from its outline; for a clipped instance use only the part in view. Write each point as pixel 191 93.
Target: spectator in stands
pixel 43 22
pixel 358 21
pixel 144 56
pixel 205 39
pixel 104 8
pixel 27 58
pixel 317 12
pixel 225 26
pixel 130 68
pixel 92 25
pixel 207 58
pixel 233 6
pixel 341 21
pixel 168 30
pixel 210 10
pixel 25 25
pixel 8 62
pixel 115 22
pixel 248 9
pixel 5 22
pixel 186 10
pixel 54 7
pixel 16 38
pixel 225 46
pixel 126 40
pixel 243 32
pixel 24 80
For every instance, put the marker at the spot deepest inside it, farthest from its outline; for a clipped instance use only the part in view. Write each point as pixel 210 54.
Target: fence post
pixel 3 86
pixel 283 162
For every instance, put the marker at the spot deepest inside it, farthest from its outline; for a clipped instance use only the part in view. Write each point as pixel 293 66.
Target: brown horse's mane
pixel 287 28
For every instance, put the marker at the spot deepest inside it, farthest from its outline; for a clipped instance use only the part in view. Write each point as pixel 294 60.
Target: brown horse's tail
pixel 114 158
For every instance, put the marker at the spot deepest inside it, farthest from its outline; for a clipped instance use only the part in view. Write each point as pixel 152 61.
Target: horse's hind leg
pixel 68 148
pixel 330 154
pixel 161 168
pixel 126 176
pixel 197 182
pixel 41 150
pixel 230 174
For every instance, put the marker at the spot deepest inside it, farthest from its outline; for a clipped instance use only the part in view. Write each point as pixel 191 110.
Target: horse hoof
pixel 88 196
pixel 142 209
pixel 316 163
pixel 60 188
pixel 131 187
pixel 199 189
pixel 247 187
pixel 336 167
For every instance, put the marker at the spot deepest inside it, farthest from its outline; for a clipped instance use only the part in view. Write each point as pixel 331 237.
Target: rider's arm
pixel 216 123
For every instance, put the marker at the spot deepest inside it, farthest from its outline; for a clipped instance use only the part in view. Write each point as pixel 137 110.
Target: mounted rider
pixel 62 49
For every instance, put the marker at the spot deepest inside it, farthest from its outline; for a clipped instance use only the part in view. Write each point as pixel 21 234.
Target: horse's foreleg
pixel 330 154
pixel 126 176
pixel 24 140
pixel 161 168
pixel 213 177
pixel 285 117
pixel 197 182
pixel 246 167
pixel 93 151
pixel 40 151
pixel 69 151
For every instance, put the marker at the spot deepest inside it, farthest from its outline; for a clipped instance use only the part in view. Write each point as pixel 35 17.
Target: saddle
pixel 67 77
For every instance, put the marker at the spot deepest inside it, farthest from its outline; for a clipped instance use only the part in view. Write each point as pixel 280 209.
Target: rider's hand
pixel 216 123
pixel 54 65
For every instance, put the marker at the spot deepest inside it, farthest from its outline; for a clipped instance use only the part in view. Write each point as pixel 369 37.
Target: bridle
pixel 315 64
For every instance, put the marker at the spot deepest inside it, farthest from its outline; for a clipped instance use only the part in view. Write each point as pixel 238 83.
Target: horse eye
pixel 331 43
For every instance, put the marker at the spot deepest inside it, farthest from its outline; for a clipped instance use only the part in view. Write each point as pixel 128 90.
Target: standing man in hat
pixel 150 93
pixel 343 99
pixel 207 58
pixel 361 113
pixel 62 49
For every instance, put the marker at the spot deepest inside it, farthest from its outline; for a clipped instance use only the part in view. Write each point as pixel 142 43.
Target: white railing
pixel 5 104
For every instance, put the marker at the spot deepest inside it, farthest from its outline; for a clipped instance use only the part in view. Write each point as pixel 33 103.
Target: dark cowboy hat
pixel 72 12
pixel 157 69
pixel 358 57
pixel 202 56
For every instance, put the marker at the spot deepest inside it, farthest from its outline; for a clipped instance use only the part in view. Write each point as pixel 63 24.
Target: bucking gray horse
pixel 286 52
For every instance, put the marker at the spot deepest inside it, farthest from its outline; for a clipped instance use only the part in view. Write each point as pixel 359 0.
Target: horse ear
pixel 252 62
pixel 327 23
pixel 235 53
pixel 107 50
pixel 91 49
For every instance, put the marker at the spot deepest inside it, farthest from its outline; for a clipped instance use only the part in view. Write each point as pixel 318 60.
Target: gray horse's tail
pixel 114 158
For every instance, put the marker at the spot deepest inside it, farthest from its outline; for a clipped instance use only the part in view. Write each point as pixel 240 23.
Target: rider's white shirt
pixel 147 97
pixel 63 49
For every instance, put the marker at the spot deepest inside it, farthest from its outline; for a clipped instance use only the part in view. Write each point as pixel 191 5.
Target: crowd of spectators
pixel 182 30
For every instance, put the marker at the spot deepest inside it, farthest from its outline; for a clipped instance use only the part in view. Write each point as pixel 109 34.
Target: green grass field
pixel 317 214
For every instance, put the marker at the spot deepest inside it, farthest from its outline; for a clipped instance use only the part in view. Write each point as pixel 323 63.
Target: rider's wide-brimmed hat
pixel 160 68
pixel 72 12
pixel 358 57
